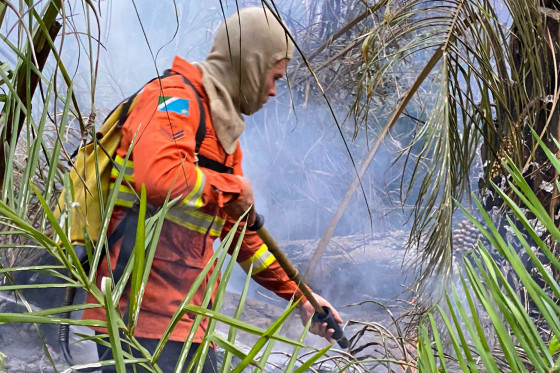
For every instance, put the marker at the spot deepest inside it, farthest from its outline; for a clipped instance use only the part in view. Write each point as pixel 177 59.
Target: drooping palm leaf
pixel 462 47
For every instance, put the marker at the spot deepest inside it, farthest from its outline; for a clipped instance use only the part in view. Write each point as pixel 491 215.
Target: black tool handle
pixel 328 317
pixel 64 329
pixel 259 222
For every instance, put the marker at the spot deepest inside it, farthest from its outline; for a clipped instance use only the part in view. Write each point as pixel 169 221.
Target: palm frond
pixel 462 47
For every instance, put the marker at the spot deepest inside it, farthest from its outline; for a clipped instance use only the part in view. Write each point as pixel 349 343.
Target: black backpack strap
pixel 125 108
pixel 201 130
pixel 199 138
pixel 213 165
pixel 127 230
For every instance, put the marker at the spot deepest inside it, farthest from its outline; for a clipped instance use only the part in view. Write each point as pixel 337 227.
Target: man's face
pixel 276 72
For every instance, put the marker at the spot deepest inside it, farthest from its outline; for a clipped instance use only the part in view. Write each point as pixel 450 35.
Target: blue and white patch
pixel 174 104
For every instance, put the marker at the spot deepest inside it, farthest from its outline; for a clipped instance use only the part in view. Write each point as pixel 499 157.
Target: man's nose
pixel 272 91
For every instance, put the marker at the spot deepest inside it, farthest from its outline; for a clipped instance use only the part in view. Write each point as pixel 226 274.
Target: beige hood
pixel 245 47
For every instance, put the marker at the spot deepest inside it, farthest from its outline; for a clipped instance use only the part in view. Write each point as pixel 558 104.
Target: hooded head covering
pixel 245 47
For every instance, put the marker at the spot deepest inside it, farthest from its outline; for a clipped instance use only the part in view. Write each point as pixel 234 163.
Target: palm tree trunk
pixel 542 175
pixel 539 172
pixel 26 85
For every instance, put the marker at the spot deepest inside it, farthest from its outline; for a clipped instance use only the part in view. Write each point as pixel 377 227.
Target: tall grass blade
pixel 305 366
pixel 139 264
pixel 265 337
pixel 112 327
pixel 238 311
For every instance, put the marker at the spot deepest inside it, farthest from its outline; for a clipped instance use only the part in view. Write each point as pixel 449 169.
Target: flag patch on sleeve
pixel 173 104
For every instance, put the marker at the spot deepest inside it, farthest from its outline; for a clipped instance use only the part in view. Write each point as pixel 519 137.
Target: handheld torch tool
pixel 322 314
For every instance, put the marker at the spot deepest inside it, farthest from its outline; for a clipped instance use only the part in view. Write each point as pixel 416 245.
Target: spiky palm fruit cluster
pixel 506 150
pixel 465 237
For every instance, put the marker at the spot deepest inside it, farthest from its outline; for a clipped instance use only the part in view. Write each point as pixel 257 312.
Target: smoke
pixel 294 155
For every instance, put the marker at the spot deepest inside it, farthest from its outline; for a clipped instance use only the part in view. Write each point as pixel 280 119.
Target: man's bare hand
pixel 306 311
pixel 237 208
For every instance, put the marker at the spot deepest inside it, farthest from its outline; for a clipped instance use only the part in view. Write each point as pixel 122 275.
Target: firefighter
pixel 184 133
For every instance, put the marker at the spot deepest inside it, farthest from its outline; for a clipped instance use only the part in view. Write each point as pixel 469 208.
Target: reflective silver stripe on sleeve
pixel 196 221
pixel 260 260
pixel 194 198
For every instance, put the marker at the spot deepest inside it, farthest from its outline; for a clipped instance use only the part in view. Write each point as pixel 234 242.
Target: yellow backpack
pixel 89 179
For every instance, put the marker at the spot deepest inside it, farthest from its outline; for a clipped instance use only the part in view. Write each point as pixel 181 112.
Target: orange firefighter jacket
pixel 163 126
